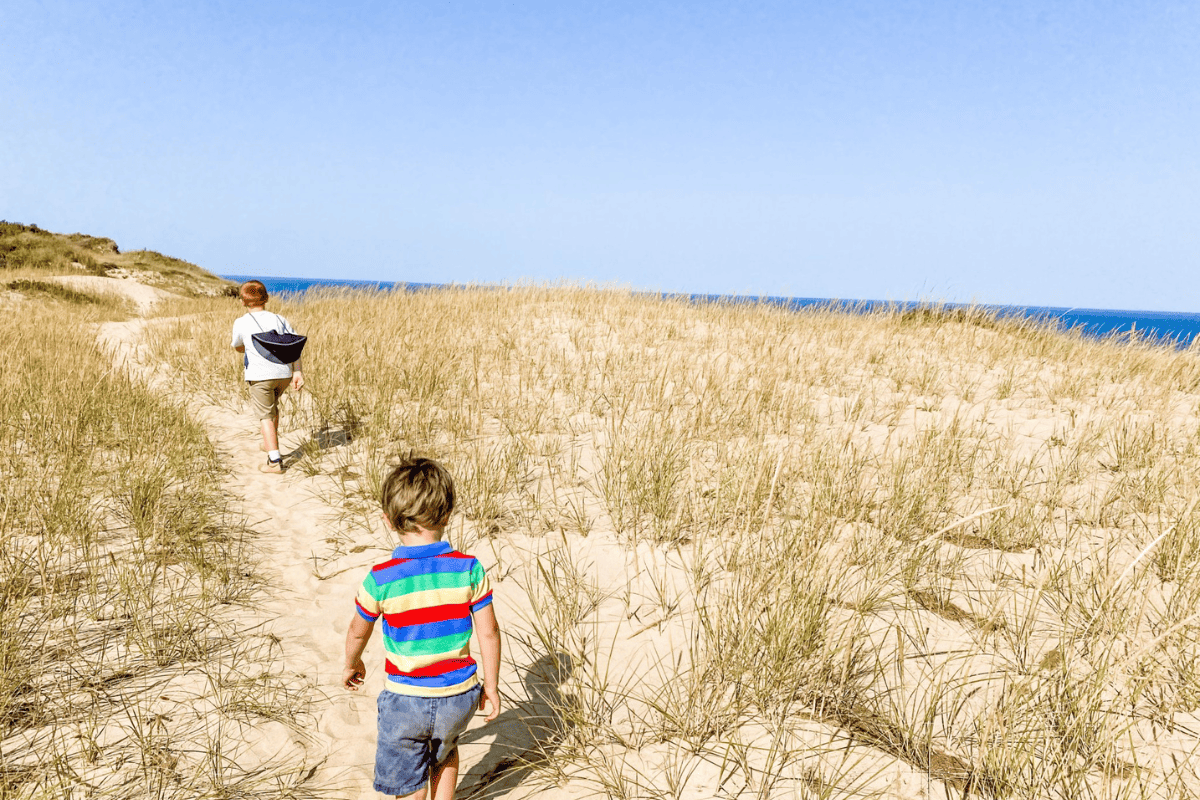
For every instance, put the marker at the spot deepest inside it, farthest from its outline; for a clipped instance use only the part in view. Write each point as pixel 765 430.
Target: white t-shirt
pixel 257 367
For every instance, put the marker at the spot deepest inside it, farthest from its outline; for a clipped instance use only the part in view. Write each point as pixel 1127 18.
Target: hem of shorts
pixel 379 787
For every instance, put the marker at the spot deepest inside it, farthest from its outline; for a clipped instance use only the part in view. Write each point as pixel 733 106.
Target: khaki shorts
pixel 264 396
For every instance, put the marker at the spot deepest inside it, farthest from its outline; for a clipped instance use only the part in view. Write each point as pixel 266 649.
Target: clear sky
pixel 1004 152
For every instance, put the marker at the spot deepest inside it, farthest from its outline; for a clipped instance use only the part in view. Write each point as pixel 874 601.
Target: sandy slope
pixel 144 297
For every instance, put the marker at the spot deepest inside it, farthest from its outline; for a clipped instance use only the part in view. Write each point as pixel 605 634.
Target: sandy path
pixel 143 297
pixel 309 614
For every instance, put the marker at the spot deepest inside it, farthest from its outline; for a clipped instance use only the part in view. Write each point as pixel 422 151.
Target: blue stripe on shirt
pixel 422 566
pixel 437 681
pixel 428 630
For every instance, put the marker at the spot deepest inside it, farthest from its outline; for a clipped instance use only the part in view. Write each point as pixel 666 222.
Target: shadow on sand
pixel 525 735
pixel 318 441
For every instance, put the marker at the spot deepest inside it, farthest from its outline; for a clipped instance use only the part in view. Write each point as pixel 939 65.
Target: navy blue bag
pixel 278 346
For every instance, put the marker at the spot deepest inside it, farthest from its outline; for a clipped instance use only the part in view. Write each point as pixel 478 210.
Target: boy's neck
pixel 252 309
pixel 422 536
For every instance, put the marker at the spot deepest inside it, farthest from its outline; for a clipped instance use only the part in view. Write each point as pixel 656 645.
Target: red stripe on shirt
pixel 390 563
pixel 421 616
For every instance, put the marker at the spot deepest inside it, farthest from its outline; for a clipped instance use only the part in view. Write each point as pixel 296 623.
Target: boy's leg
pixel 263 445
pixel 264 399
pixel 444 781
pixel 402 757
pixel 454 714
pixel 445 778
pixel 270 433
pixel 270 426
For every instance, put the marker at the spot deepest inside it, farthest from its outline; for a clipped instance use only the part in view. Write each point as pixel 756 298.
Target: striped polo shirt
pixel 425 595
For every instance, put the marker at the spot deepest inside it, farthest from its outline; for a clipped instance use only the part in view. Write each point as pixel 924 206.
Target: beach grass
pixel 814 554
pixel 123 567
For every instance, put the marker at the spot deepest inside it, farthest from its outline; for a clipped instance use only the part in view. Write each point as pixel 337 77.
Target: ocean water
pixel 1168 327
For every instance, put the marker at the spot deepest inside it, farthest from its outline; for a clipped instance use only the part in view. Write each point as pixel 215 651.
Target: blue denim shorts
pixel 417 735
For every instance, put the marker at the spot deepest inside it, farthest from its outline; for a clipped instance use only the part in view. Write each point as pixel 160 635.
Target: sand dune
pixel 736 555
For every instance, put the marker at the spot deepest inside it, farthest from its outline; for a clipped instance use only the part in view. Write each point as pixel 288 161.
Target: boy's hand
pixel 297 381
pixel 352 676
pixel 490 697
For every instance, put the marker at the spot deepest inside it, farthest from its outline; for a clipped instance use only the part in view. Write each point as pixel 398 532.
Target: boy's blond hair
pixel 418 492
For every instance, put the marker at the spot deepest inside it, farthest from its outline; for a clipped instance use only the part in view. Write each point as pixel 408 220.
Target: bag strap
pixel 278 322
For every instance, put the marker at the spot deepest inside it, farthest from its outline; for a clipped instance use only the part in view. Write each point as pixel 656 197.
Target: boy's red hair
pixel 254 293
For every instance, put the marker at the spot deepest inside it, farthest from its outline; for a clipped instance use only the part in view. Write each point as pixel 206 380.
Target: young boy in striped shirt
pixel 430 597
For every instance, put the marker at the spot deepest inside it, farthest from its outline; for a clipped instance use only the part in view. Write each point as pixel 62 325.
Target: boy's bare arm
pixel 488 631
pixel 356 641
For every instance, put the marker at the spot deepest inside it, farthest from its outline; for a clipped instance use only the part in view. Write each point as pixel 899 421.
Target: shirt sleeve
pixel 367 601
pixel 481 587
pixel 237 336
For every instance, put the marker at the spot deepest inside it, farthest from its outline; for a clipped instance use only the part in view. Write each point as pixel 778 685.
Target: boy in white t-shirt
pixel 267 379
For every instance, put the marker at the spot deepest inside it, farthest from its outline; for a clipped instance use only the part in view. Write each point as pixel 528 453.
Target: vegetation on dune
pixel 120 564
pixel 44 290
pixel 860 549
pixel 30 249
pixel 918 550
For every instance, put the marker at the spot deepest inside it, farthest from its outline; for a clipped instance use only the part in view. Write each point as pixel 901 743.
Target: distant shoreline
pixel 1175 327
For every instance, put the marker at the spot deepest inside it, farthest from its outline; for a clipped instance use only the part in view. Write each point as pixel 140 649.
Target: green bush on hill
pixel 30 248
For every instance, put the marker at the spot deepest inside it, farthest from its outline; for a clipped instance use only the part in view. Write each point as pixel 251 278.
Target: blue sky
pixel 1026 153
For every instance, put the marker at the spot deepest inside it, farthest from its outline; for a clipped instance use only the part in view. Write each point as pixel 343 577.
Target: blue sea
pixel 1167 327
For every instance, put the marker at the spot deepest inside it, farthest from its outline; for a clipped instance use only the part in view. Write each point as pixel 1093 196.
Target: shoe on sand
pixel 273 467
